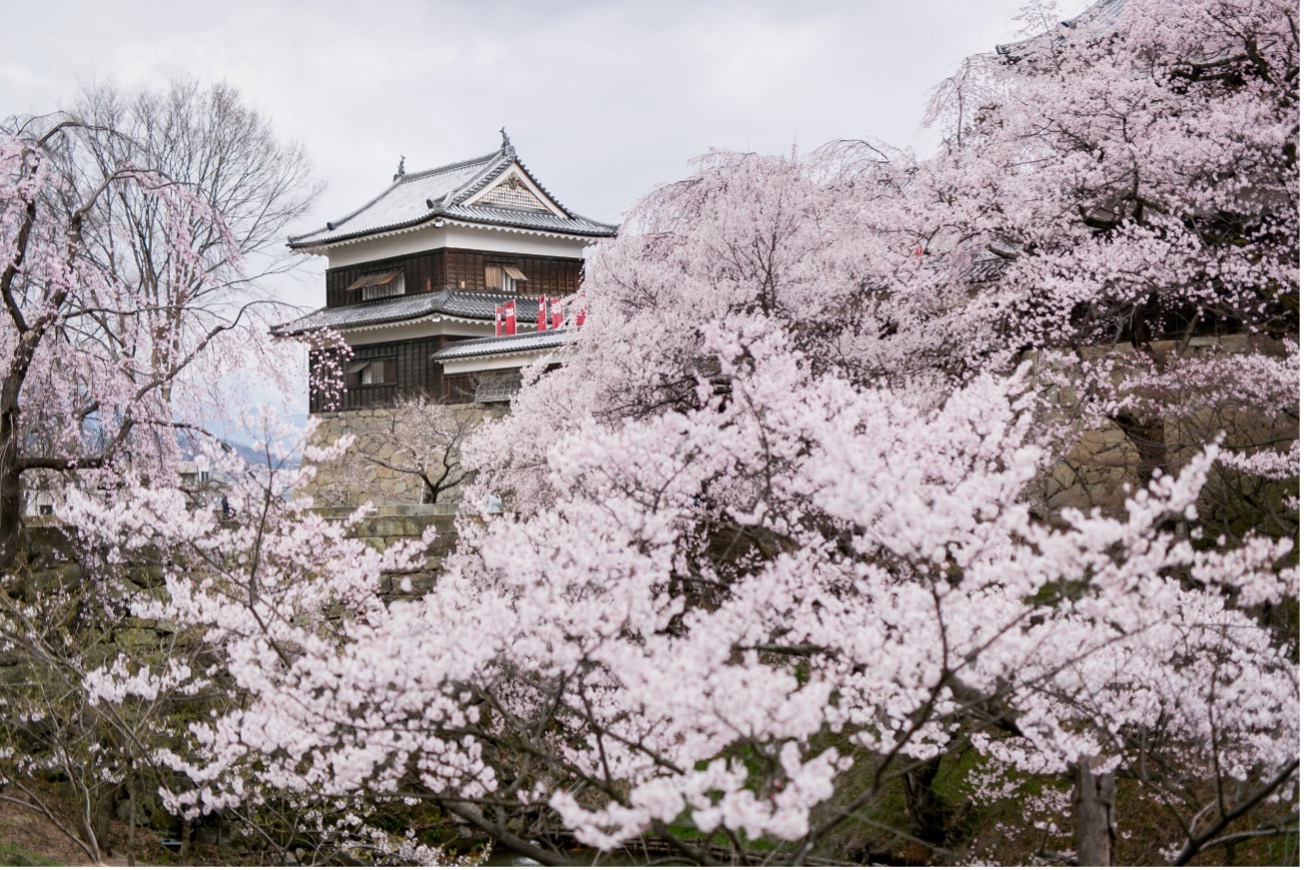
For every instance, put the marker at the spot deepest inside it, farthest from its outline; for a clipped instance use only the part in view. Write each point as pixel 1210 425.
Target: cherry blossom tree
pixel 87 372
pixel 865 591
pixel 261 561
pixel 57 724
pixel 1129 179
pixel 774 555
pixel 94 361
pixel 756 597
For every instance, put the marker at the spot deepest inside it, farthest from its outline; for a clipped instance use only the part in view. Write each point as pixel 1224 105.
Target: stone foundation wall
pixel 386 526
pixel 390 524
pixel 386 442
pixel 1093 473
pixel 1095 468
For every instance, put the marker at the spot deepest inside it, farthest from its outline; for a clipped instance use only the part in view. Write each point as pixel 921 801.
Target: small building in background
pixel 201 486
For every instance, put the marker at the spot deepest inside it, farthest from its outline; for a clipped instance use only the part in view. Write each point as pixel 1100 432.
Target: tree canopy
pixel 773 556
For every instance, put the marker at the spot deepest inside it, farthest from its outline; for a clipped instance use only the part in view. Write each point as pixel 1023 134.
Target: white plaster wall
pixel 447 235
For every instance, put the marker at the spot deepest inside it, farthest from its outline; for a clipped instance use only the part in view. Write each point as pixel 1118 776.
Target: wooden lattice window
pixel 497 386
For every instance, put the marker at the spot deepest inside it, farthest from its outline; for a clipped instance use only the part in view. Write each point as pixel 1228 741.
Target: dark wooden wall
pixel 431 271
pixel 422 273
pixel 551 276
pixel 428 272
pixel 457 389
pixel 415 374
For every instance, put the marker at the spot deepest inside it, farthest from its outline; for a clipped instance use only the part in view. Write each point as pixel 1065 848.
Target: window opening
pixel 370 373
pixel 379 285
pixel 504 278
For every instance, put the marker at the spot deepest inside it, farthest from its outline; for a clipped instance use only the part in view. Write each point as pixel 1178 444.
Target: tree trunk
pixel 1147 436
pixel 927 811
pixel 11 502
pixel 106 798
pixel 131 819
pixel 1093 815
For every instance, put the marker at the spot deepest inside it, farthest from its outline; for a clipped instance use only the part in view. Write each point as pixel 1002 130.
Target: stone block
pixel 129 637
pixel 1064 476
pixel 388 527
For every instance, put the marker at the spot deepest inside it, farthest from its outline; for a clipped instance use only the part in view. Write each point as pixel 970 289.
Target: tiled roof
pixel 480 306
pixel 407 201
pixel 419 197
pixel 528 341
pixel 447 302
pixel 986 268
pixel 530 220
pixel 1097 17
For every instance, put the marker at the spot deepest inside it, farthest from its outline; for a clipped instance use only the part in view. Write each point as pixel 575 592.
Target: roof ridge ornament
pixel 508 148
pixel 401 172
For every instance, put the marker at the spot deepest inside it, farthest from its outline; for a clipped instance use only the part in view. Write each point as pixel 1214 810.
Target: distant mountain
pixel 251 455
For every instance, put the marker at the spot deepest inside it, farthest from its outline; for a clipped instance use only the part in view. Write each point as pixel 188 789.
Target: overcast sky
pixel 604 100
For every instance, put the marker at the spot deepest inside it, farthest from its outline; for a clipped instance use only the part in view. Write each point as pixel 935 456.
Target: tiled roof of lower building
pixel 987 268
pixel 481 306
pixel 524 342
pixel 447 302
